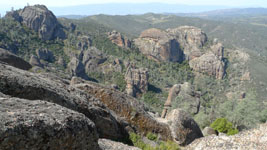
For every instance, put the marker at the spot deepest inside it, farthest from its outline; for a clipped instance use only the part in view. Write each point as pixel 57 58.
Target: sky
pixel 59 3
pixel 5 5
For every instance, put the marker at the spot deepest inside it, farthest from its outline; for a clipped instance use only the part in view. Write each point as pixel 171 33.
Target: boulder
pixel 136 80
pixel 106 144
pixel 183 128
pixel 207 131
pixel 42 125
pixel 84 42
pixel 13 60
pixel 210 64
pixel 45 54
pixel 254 139
pixel 159 45
pixel 125 106
pixel 35 61
pixel 41 20
pixel 119 40
pixel 23 84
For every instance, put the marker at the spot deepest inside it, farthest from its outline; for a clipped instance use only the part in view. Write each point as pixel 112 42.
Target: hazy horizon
pixel 124 8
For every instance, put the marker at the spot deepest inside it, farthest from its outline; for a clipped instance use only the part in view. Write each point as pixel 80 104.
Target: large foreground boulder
pixel 13 60
pixel 23 84
pixel 125 106
pixel 42 125
pixel 183 128
pixel 254 139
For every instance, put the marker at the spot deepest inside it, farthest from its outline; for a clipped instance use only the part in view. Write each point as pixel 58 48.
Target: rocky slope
pixel 255 139
pixel 39 19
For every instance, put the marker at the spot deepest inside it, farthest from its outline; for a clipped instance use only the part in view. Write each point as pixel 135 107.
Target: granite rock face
pixel 13 60
pixel 184 43
pixel 254 139
pixel 42 125
pixel 159 45
pixel 183 128
pixel 119 39
pixel 76 68
pixel 23 84
pixel 41 20
pixel 207 131
pixel 192 39
pixel 106 144
pixel 126 107
pixel 136 80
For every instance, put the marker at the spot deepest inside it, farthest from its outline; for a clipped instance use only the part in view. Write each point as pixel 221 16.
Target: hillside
pixel 120 73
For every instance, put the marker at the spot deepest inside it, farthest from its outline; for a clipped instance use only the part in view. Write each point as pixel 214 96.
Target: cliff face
pixel 183 43
pixel 41 20
pixel 159 45
pixel 119 39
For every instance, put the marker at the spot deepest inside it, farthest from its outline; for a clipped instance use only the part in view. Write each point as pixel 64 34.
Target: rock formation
pixel 39 19
pixel 119 40
pixel 184 43
pixel 255 139
pixel 174 91
pixel 159 45
pixel 13 60
pixel 183 128
pixel 136 80
pixel 76 68
pixel 23 84
pixel 191 39
pixel 45 54
pixel 35 61
pixel 42 125
pixel 106 144
pixel 84 42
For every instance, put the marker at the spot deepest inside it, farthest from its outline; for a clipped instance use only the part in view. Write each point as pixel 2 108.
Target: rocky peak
pixel 39 19
pixel 119 39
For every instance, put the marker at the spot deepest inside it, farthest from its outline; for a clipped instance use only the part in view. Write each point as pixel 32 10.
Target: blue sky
pixel 6 5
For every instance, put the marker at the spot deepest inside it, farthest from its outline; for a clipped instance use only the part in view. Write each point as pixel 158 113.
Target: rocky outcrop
pixel 126 107
pixel 136 80
pixel 209 63
pixel 45 54
pixel 159 45
pixel 39 19
pixel 183 128
pixel 76 68
pixel 192 39
pixel 61 61
pixel 119 40
pixel 84 42
pixel 184 43
pixel 255 139
pixel 13 60
pixel 35 61
pixel 91 59
pixel 23 84
pixel 42 125
pixel 106 144
pixel 174 91
pixel 187 99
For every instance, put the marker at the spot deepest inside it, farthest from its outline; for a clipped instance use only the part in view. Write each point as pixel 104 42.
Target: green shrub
pixel 224 126
pixel 151 136
pixel 169 145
